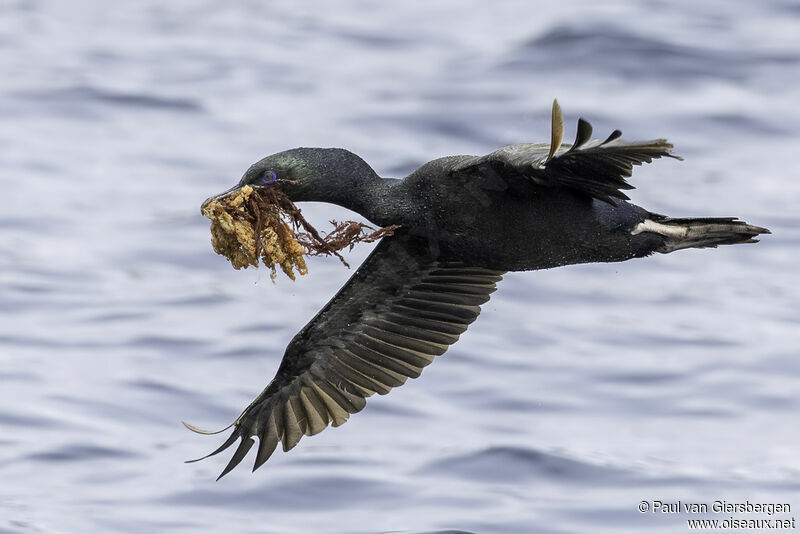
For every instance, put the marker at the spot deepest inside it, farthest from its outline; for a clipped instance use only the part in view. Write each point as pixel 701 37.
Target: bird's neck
pixel 338 176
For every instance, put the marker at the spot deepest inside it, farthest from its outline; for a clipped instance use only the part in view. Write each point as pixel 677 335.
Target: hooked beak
pixel 224 194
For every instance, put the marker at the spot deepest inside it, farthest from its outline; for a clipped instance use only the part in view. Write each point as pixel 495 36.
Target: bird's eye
pixel 269 177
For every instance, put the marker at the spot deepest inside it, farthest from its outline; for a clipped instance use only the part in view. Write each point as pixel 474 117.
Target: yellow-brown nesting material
pixel 261 224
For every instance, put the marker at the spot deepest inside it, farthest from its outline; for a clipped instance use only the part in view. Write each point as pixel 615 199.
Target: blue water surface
pixel 579 393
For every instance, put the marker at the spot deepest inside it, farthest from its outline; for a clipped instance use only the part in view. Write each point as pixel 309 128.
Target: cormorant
pixel 464 221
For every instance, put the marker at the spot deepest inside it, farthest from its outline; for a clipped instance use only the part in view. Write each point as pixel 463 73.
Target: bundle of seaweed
pixel 263 224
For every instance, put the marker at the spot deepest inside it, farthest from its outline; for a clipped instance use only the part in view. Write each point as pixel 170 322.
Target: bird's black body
pixel 464 221
pixel 476 215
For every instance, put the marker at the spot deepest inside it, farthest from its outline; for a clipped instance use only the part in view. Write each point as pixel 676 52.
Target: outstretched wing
pixel 595 168
pixel 399 310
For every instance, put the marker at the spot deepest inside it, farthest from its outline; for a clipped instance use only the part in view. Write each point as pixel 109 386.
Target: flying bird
pixel 463 222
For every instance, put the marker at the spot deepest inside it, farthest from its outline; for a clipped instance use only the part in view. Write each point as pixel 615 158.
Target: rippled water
pixel 580 392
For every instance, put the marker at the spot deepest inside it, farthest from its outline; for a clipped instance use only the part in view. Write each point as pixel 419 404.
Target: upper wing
pixel 595 168
pixel 400 309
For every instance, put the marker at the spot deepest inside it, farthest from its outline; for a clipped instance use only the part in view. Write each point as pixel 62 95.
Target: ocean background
pixel 580 392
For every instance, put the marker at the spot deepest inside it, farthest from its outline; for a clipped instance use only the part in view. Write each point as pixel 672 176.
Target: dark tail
pixel 699 232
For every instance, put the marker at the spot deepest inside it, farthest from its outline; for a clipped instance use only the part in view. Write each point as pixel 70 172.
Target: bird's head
pixel 331 175
pixel 284 170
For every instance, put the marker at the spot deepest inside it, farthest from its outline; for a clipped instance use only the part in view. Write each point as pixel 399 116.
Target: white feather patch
pixel 647 225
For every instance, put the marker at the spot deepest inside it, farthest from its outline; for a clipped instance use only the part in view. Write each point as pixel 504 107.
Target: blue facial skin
pixel 262 179
pixel 268 178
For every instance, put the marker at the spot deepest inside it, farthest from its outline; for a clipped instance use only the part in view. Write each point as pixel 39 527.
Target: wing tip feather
pixel 205 432
pixel 556 129
pixel 241 451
